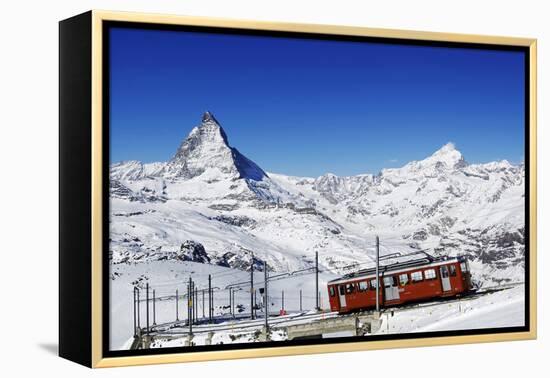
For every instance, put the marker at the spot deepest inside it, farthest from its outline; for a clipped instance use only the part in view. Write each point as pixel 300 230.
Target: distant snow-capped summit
pixel 447 158
pixel 448 155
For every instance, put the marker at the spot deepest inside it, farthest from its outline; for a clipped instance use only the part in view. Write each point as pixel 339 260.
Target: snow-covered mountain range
pixel 211 204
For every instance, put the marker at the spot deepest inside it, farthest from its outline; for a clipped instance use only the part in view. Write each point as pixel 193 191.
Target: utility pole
pixel 196 303
pixel 266 304
pixel 377 274
pixel 300 299
pixel 193 301
pixel 154 309
pixel 177 314
pixel 139 316
pixel 212 305
pixel 190 306
pixel 135 312
pixel 139 309
pixel 252 287
pixel 147 306
pixel 230 304
pixel 317 280
pixel 255 303
pixel 203 303
pixel 210 298
pixel 233 303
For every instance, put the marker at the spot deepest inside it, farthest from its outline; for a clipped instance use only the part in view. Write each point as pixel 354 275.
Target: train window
pixel 373 284
pixel 464 266
pixel 416 276
pixel 363 285
pixel 403 279
pixel 349 288
pixel 331 290
pixel 452 270
pixel 429 274
pixel 342 290
pixel 389 281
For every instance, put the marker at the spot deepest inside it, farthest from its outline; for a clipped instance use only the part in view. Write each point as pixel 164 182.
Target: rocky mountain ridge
pixel 211 194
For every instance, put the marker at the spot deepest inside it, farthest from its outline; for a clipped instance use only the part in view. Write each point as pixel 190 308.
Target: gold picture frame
pixel 91 24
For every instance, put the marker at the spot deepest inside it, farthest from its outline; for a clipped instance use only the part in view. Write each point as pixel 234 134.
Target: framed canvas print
pixel 235 189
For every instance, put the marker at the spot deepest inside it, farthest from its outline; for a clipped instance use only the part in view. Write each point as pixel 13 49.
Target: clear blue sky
pixel 307 107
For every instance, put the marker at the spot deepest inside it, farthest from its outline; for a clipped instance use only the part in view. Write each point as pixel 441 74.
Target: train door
pixel 445 280
pixel 391 291
pixel 342 295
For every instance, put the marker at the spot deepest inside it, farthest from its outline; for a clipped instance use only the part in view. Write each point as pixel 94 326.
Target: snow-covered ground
pixel 504 308
pixel 500 309
pixel 167 276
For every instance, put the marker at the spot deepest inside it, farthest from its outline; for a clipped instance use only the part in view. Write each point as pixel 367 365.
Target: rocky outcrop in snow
pixel 193 251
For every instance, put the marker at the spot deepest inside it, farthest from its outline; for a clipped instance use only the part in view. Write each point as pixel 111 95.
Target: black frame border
pixel 75 192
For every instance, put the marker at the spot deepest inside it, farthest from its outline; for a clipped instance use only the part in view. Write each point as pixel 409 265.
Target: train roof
pixel 399 262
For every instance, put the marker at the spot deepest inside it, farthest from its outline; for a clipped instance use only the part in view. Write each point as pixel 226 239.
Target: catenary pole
pixel 195 304
pixel 230 304
pixel 154 309
pixel 147 306
pixel 316 280
pixel 135 312
pixel 266 300
pixel 190 306
pixel 377 274
pixel 138 309
pixel 177 314
pixel 210 298
pixel 252 287
pixel 233 302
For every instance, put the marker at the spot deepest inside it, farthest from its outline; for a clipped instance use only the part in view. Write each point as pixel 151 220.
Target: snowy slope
pixel 500 309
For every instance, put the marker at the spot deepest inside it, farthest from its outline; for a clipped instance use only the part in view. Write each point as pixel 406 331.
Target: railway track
pixel 276 321
pixel 467 297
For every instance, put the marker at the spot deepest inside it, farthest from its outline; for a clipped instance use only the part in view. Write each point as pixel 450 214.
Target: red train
pixel 413 280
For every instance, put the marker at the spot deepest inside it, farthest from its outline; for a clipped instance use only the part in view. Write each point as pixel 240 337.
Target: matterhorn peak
pixel 206 150
pixel 208 117
pixel 210 130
